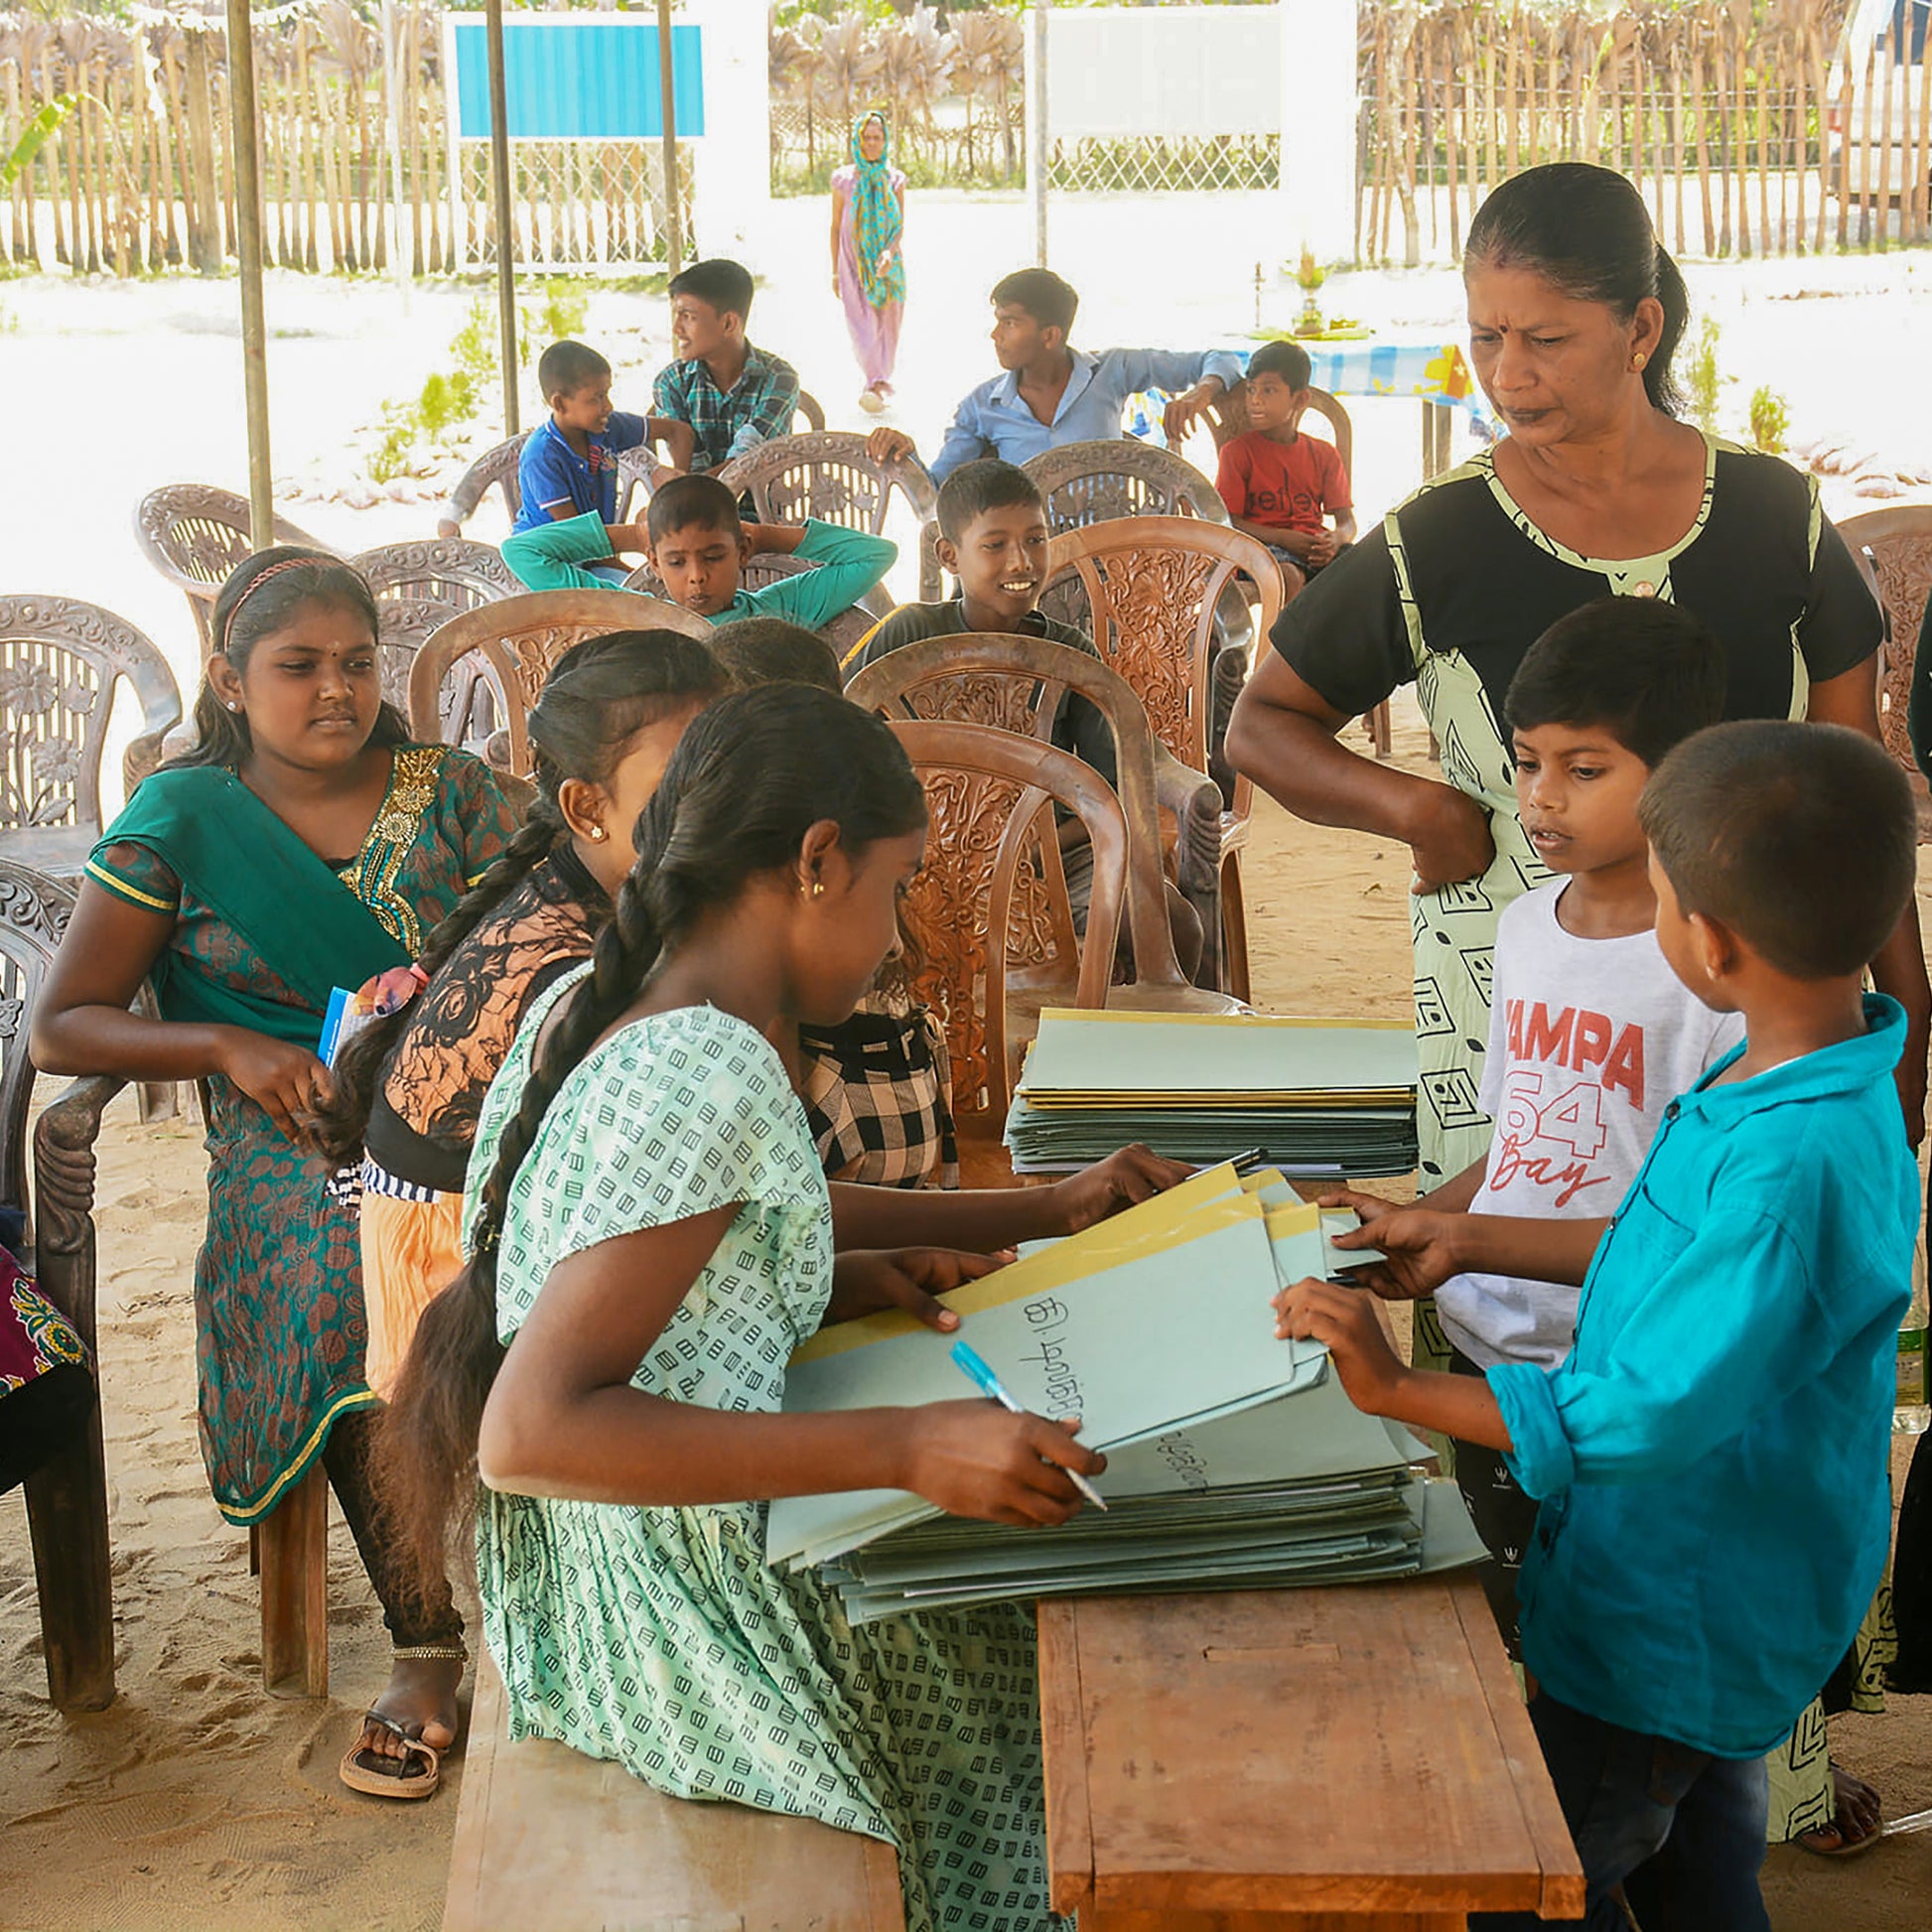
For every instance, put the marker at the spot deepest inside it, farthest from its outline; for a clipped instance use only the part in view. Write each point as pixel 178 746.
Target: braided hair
pixel 601 693
pixel 751 778
pixel 258 598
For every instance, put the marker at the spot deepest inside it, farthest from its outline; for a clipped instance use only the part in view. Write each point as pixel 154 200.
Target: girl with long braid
pixel 304 843
pixel 410 1087
pixel 650 1236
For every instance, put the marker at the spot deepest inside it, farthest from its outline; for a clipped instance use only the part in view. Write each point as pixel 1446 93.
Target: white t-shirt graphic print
pixel 1590 1041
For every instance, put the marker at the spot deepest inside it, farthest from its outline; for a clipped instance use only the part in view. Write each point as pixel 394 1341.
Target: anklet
pixel 431 1653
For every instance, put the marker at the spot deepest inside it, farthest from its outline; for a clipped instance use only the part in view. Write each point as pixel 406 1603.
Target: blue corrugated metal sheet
pixel 591 80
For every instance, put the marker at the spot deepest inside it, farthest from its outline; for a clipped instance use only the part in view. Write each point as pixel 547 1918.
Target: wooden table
pixel 1329 1760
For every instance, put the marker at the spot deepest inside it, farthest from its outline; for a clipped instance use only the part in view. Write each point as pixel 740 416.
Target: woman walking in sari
pixel 868 268
pixel 303 845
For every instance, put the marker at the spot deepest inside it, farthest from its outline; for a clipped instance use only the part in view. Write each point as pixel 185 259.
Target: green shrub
pixel 1770 418
pixel 1701 378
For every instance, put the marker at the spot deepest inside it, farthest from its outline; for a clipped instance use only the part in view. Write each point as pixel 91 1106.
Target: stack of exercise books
pixel 1317 1097
pixel 1235 1459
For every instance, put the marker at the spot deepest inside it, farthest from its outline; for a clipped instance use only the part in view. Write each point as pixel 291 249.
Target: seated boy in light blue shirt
pixel 1051 393
pixel 1712 1455
pixel 698 546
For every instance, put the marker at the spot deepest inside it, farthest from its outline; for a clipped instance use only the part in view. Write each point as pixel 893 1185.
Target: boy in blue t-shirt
pixel 1711 1457
pixel 569 464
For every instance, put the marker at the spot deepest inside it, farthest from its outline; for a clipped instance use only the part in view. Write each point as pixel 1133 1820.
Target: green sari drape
pixel 263 930
pixel 260 881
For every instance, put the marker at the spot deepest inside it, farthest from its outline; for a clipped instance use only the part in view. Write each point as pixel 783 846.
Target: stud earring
pixel 599 832
pixel 817 892
pixel 233 706
pixel 1639 359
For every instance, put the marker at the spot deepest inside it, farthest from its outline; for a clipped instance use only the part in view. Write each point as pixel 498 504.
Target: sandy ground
pixel 199 1801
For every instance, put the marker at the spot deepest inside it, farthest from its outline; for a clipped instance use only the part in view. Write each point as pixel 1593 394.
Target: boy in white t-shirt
pixel 1591 1035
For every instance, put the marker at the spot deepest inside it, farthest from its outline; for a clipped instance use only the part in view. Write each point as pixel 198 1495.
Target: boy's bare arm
pixel 1377 1382
pixel 1344 531
pixel 1451 1197
pixel 780 539
pixel 679 438
pixel 1296 542
pixel 1427 1247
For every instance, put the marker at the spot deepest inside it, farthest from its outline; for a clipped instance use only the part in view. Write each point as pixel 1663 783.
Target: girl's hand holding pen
pixel 975 1459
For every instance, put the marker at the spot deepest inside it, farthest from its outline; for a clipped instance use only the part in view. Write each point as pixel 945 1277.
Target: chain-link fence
pixel 1154 164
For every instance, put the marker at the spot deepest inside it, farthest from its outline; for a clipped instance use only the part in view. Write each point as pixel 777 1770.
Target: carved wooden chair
pixel 495 468
pixel 60 663
pixel 405 624
pixel 829 477
pixel 1111 478
pixel 768 567
pixel 452 570
pixel 288 1548
pixel 1101 478
pixel 1149 588
pixel 1227 418
pixel 195 534
pixel 635 466
pixel 1015 683
pixel 520 639
pixel 1896 546
pixel 990 795
pixel 420 585
pixel 66 1497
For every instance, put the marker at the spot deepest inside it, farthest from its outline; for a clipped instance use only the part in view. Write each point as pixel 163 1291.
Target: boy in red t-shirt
pixel 1279 484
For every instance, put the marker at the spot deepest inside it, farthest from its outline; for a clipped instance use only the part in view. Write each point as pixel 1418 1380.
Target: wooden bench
pixel 1353 1759
pixel 548 1841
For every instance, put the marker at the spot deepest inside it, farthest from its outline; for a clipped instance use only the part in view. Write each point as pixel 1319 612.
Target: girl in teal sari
pixel 304 843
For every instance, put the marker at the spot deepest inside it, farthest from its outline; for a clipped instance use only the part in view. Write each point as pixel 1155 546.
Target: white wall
pixel 1207 70
pixel 1319 90
pixel 731 177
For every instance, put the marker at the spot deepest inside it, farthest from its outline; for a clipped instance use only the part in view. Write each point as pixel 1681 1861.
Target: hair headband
pixel 274 570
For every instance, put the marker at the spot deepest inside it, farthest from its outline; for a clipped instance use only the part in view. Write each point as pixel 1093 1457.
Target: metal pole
pixel 248 235
pixel 399 250
pixel 499 202
pixel 667 95
pixel 1037 134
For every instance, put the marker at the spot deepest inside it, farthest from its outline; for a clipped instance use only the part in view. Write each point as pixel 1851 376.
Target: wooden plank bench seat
pixel 549 1841
pixel 1329 1760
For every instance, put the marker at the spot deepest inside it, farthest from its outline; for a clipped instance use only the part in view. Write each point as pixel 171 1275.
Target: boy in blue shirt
pixel 698 546
pixel 569 464
pixel 1711 1457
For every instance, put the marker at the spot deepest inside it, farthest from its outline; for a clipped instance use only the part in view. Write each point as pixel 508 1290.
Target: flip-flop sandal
pixel 1828 1841
pixel 1833 1841
pixel 391 1777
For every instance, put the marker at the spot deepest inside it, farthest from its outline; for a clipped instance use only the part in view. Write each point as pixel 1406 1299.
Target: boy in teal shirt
pixel 698 545
pixel 1712 1455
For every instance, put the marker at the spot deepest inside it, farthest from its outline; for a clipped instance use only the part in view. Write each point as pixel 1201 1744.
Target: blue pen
pixel 990 1384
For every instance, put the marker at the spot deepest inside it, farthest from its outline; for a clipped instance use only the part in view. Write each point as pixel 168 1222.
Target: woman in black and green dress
pixel 1596 489
pixel 305 844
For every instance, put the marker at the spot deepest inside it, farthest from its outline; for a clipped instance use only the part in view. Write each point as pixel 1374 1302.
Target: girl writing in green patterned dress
pixel 304 843
pixel 650 1237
